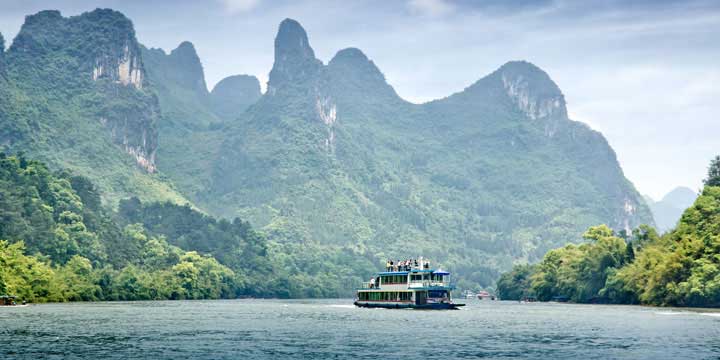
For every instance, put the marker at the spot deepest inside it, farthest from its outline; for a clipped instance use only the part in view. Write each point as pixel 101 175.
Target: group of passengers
pixel 406 265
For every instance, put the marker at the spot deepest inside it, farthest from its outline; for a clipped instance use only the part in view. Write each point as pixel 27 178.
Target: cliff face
pixel 96 58
pixel 81 101
pixel 124 68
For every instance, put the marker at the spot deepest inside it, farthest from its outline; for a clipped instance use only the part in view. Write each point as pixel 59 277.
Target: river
pixel 334 329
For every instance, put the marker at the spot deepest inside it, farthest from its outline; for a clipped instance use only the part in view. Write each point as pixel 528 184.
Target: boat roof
pixel 437 272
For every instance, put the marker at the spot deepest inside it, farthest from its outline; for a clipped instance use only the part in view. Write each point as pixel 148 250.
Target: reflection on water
pixel 335 329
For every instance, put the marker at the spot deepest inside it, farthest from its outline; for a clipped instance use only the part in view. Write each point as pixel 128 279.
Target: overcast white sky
pixel 644 73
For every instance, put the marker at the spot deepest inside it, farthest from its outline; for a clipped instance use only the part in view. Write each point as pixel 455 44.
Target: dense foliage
pixel 713 178
pixel 681 268
pixel 332 154
pixel 330 164
pixel 56 106
pixel 60 244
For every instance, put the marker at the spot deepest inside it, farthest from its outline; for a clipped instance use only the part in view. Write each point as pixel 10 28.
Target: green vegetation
pixel 52 109
pixel 713 178
pixel 331 154
pixel 233 95
pixel 60 244
pixel 681 268
pixel 333 168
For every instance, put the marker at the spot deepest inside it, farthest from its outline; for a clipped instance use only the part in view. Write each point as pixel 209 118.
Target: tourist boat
pixel 484 295
pixel 414 286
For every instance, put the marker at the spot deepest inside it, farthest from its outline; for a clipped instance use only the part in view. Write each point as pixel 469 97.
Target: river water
pixel 334 329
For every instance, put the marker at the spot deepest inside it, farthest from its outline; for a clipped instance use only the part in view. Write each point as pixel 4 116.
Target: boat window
pixel 385 296
pixel 394 279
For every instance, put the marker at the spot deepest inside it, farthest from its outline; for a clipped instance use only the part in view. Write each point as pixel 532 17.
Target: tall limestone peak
pixel 190 70
pixel 95 59
pixel 233 94
pixel 295 60
pixel 354 74
pixel 103 41
pixel 532 90
pixel 182 67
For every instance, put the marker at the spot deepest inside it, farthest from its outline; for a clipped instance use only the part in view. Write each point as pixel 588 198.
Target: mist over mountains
pixel 667 211
pixel 330 160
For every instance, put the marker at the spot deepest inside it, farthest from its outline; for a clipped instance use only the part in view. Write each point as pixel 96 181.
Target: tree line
pixel 679 268
pixel 59 243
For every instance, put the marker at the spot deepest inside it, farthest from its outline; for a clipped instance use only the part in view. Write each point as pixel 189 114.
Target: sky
pixel 644 73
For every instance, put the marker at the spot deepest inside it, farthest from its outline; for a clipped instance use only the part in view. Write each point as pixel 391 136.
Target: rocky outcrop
pixel 125 69
pixel 534 94
pixel 295 63
pixel 532 91
pixel 327 112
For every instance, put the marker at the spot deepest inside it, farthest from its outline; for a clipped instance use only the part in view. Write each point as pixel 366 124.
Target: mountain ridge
pixel 375 160
pixel 330 159
pixel 668 210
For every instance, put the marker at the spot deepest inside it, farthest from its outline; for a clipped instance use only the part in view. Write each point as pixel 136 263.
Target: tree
pixel 515 285
pixel 713 178
pixel 629 253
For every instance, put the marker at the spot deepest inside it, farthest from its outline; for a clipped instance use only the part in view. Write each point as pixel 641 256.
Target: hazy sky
pixel 644 73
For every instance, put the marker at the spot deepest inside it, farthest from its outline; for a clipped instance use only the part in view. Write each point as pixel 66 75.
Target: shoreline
pixel 349 301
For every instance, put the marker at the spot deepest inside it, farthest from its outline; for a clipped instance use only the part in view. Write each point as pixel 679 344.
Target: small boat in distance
pixel 484 295
pixel 410 284
pixel 8 300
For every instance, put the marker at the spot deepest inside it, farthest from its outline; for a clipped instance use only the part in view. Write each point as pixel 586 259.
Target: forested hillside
pixel 680 268
pixel 74 95
pixel 58 243
pixel 336 169
pixel 193 121
pixel 332 155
